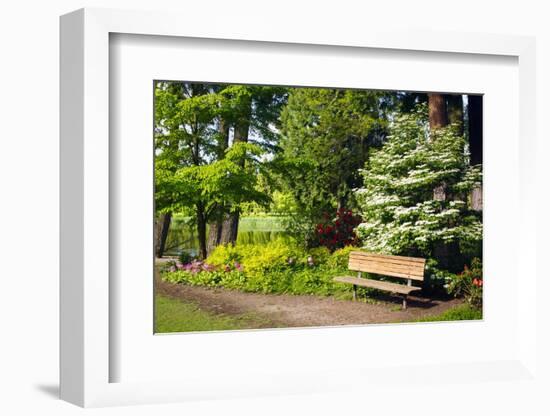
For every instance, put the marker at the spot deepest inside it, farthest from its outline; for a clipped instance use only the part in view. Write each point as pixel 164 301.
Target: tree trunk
pixel 455 112
pixel 475 128
pixel 165 221
pixel 437 111
pixel 230 227
pixel 215 227
pixel 201 232
pixel 214 235
pixel 475 133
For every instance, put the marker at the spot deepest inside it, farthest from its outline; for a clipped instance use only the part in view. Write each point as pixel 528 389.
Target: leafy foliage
pixel 223 182
pixel 397 201
pixel 277 267
pixel 337 232
pixel 469 284
pixel 197 170
pixel 326 134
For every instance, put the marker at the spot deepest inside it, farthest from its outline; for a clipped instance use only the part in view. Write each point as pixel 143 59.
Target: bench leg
pixel 405 302
pixel 354 292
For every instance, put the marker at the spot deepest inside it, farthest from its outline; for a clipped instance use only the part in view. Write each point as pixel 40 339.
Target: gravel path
pixel 301 311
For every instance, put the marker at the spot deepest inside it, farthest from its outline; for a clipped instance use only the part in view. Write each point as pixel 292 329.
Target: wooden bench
pixel 409 268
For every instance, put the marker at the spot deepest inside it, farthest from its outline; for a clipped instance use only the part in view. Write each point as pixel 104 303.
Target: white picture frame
pixel 86 356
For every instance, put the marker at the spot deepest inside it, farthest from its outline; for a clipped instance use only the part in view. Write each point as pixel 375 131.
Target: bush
pixel 273 255
pixel 340 258
pixel 277 267
pixel 469 284
pixel 225 254
pixel 319 255
pixel 185 257
pixel 337 232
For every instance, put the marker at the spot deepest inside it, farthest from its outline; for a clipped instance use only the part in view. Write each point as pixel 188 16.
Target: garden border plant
pixel 277 267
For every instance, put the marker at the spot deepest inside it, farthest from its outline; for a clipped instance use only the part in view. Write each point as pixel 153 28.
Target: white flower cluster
pixel 397 199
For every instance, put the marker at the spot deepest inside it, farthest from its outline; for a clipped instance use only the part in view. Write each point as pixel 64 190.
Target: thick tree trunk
pixel 475 128
pixel 475 133
pixel 437 108
pixel 455 112
pixel 201 232
pixel 164 222
pixel 230 227
pixel 215 227
pixel 214 235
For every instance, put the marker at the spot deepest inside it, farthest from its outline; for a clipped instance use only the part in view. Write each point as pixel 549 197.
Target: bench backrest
pixel 395 266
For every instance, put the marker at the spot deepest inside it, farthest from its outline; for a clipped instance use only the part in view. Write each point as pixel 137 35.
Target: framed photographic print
pixel 240 213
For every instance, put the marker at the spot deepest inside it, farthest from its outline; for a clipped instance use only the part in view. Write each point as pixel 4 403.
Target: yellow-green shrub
pixel 320 254
pixel 339 259
pixel 225 254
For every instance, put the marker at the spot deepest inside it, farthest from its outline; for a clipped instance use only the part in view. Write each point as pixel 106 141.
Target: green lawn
pixel 173 315
pixel 458 313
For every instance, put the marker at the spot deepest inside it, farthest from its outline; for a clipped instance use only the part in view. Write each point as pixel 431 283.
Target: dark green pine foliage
pixel 326 136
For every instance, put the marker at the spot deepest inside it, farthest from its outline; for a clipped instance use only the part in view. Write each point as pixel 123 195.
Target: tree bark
pixel 475 133
pixel 201 232
pixel 215 227
pixel 475 128
pixel 214 235
pixel 437 108
pixel 230 227
pixel 165 221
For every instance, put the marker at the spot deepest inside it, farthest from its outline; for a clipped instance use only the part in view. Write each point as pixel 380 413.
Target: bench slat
pixel 387 257
pixel 385 272
pixel 377 284
pixel 395 266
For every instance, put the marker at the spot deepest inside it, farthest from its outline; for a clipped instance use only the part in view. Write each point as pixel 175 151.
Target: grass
pixel 261 224
pixel 173 315
pixel 252 230
pixel 458 313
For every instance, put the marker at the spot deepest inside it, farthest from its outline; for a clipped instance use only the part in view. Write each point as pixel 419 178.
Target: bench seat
pixel 407 268
pixel 377 284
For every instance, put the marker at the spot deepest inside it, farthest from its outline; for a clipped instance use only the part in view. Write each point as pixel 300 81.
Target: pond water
pixel 252 230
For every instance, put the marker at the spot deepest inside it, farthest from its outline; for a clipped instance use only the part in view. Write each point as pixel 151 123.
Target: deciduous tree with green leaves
pixel 202 189
pixel 193 126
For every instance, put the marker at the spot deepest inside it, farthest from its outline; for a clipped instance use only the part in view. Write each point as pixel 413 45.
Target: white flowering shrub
pixel 402 214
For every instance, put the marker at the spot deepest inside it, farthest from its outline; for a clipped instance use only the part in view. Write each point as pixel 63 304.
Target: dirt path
pixel 300 311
